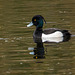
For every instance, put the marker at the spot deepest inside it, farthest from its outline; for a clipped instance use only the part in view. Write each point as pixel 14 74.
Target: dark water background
pixel 15 37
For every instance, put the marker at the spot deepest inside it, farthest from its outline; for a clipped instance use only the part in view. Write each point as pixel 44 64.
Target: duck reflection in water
pixel 41 36
pixel 38 51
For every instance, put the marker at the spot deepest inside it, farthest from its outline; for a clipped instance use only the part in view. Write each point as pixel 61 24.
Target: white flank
pixel 54 37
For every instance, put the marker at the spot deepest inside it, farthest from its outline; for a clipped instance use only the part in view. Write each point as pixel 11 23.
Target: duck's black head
pixel 38 21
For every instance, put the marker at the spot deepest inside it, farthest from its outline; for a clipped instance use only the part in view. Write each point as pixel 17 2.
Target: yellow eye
pixel 36 57
pixel 34 19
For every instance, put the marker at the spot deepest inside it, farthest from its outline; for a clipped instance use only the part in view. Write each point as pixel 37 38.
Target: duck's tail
pixel 67 35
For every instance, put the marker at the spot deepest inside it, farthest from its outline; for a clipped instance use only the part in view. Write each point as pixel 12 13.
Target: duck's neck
pixel 38 30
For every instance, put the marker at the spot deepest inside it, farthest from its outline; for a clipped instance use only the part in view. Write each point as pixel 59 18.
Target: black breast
pixel 37 35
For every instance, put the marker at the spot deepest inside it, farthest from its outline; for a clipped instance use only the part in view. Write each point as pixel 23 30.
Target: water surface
pixel 15 37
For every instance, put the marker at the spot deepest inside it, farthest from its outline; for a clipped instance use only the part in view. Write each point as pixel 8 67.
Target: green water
pixel 15 37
